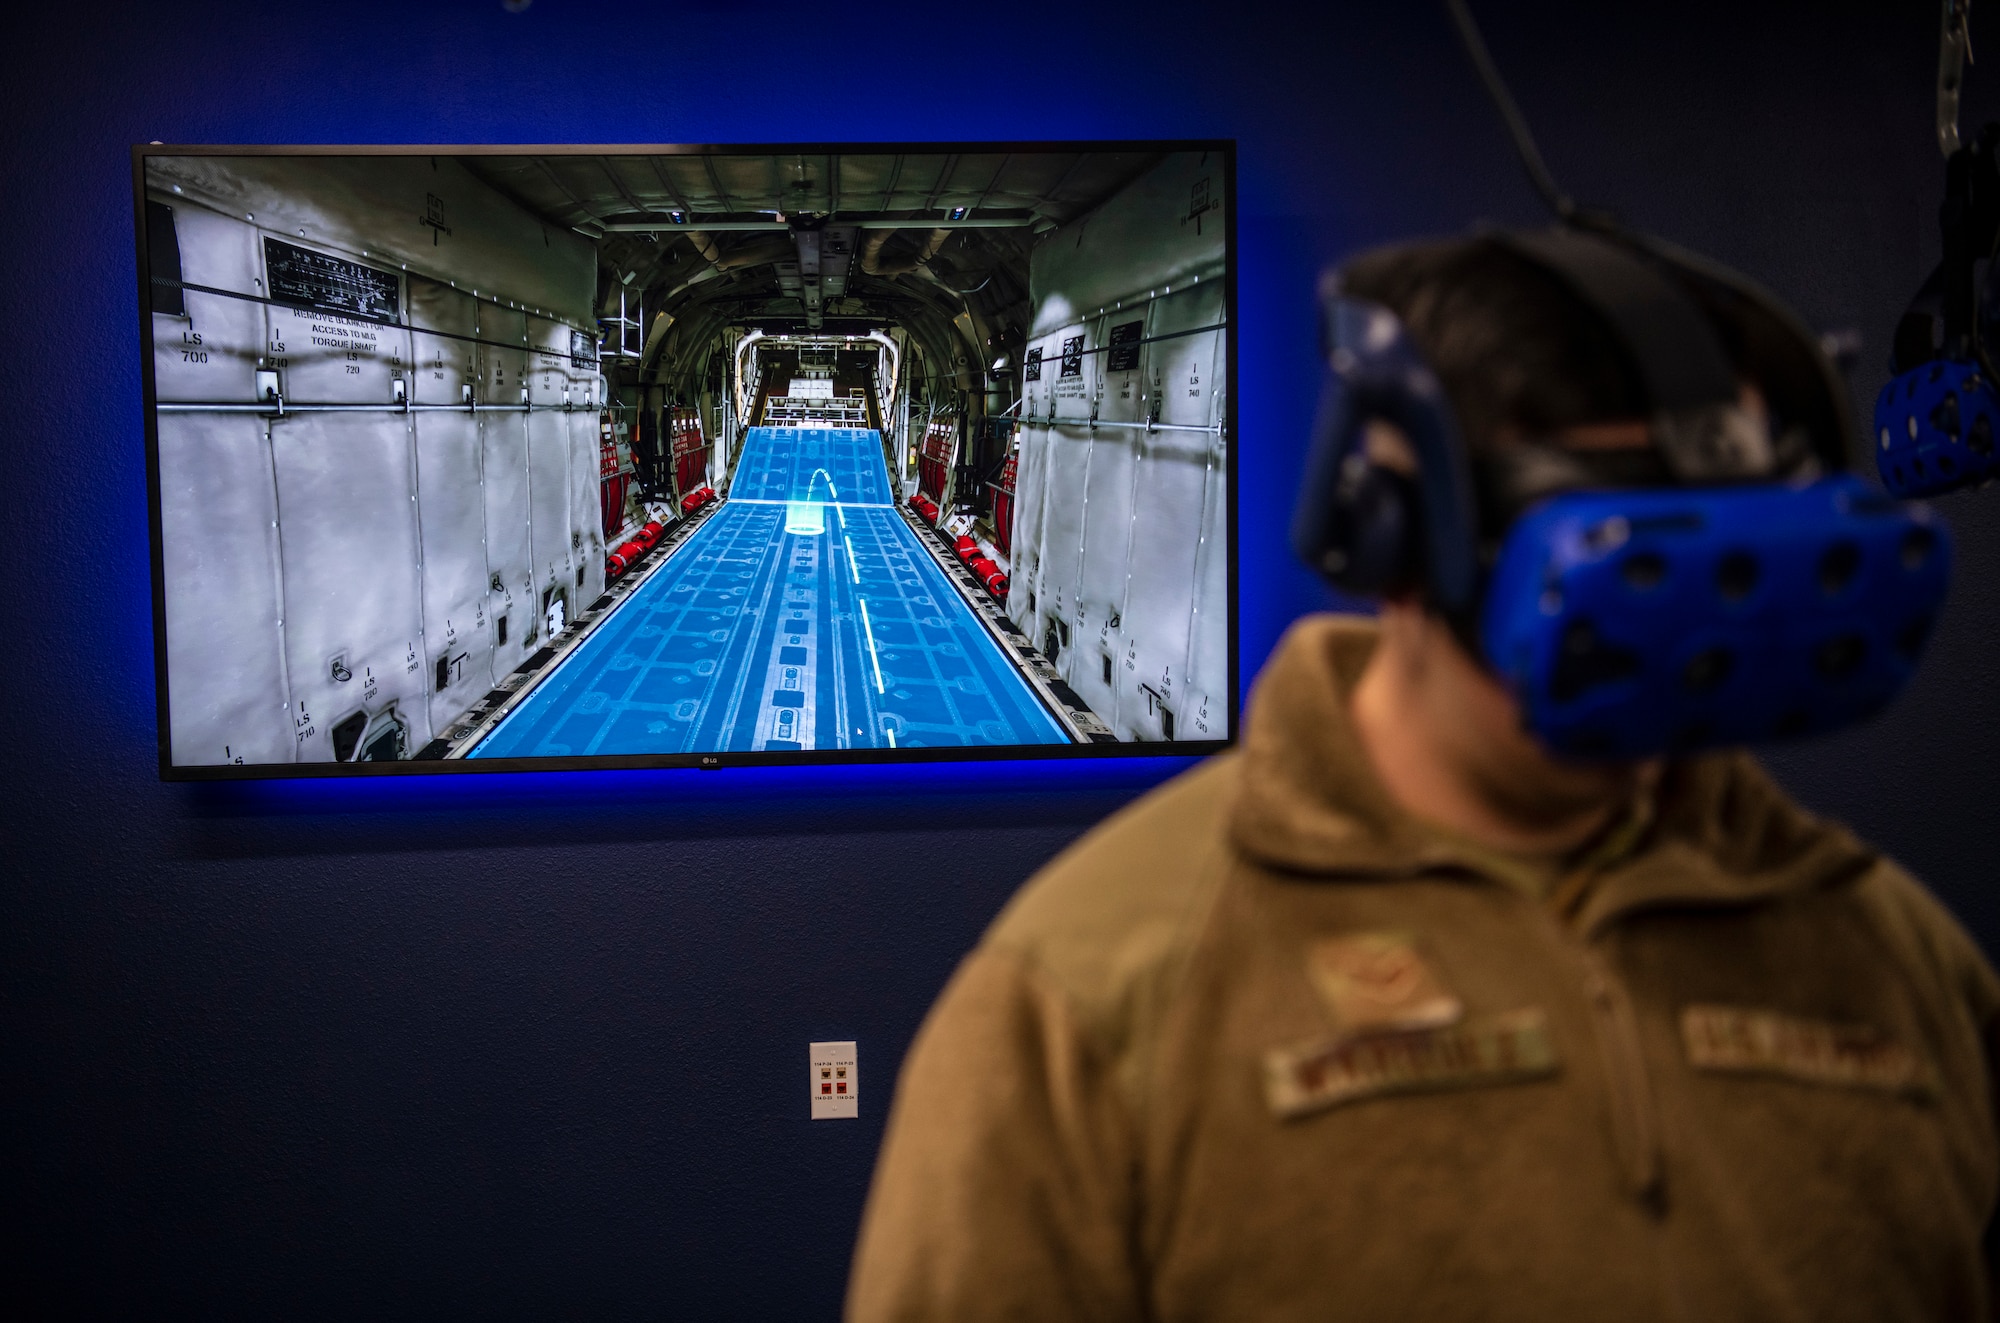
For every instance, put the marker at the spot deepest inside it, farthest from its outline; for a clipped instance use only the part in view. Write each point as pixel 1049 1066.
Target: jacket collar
pixel 1309 802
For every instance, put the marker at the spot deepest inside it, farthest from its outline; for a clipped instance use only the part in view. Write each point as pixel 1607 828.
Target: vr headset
pixel 1736 586
pixel 1935 420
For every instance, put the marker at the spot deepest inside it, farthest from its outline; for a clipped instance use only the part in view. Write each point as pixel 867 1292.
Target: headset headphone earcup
pixel 1367 529
pixel 1375 539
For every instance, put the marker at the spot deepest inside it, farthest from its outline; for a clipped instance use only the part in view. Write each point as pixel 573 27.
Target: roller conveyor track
pixel 802 615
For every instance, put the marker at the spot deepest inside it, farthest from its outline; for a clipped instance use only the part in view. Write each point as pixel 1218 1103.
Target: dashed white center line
pixel 871 644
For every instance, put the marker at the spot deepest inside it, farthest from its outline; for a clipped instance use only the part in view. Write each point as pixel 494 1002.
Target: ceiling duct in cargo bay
pixel 818 272
pixel 796 242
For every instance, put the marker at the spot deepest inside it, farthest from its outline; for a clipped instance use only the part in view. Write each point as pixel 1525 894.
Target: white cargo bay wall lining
pixel 1121 566
pixel 405 532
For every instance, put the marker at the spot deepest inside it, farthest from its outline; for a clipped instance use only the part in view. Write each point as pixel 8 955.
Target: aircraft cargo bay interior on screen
pixel 563 455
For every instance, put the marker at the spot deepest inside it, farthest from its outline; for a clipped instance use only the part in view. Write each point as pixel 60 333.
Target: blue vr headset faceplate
pixel 1934 429
pixel 1634 622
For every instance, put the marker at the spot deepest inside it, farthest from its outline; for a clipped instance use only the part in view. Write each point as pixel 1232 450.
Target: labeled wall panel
pixel 214 350
pixel 586 514
pixel 213 353
pixel 354 627
pixel 503 356
pixel 1103 557
pixel 550 554
pixel 1054 587
pixel 446 359
pixel 1185 354
pixel 505 352
pixel 550 373
pixel 328 359
pixel 1169 477
pixel 225 601
pixel 1206 700
pixel 503 440
pixel 1031 507
pixel 451 511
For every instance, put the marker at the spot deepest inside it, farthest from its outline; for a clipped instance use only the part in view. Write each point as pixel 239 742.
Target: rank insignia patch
pixel 1745 1040
pixel 1495 1049
pixel 1377 981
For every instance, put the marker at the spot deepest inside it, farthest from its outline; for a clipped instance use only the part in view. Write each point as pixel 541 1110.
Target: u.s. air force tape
pixel 1493 1049
pixel 1748 1040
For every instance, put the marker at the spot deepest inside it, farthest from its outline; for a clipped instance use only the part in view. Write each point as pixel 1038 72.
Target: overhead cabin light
pixel 678 217
pixel 1000 363
pixel 958 213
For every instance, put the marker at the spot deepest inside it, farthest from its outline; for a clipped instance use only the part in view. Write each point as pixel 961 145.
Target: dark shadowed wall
pixel 513 1047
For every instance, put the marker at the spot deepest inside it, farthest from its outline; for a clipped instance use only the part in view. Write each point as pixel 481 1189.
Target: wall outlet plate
pixel 836 1084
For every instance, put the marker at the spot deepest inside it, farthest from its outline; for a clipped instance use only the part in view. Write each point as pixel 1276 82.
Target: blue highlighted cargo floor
pixel 802 615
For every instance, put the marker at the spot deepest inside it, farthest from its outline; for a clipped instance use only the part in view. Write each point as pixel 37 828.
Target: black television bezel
pixel 170 771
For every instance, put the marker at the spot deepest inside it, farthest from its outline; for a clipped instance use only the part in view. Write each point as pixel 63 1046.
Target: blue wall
pixel 514 1046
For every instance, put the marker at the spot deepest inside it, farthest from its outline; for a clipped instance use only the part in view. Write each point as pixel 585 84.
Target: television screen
pixel 502 458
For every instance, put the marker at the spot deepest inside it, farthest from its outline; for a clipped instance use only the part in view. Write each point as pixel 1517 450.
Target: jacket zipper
pixel 1635 1128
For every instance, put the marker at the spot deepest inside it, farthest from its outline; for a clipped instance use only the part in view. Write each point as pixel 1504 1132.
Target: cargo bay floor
pixel 802 615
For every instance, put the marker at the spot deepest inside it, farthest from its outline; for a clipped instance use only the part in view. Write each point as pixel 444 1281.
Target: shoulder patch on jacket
pixel 1494 1049
pixel 1748 1040
pixel 1378 981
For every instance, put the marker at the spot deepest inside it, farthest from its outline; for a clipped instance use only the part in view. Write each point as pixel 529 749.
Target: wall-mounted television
pixel 503 458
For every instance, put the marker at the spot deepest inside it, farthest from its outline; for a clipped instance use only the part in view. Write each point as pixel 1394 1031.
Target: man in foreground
pixel 1392 1013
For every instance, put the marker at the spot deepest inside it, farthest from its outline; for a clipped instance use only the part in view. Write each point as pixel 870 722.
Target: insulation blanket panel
pixel 362 514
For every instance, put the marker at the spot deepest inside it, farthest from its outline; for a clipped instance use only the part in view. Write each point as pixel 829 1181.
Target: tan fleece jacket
pixel 1263 1047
